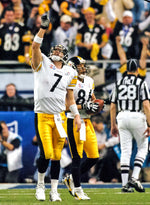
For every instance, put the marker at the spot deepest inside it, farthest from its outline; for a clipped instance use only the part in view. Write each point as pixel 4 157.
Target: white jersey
pixel 50 87
pixel 83 93
pixel 67 39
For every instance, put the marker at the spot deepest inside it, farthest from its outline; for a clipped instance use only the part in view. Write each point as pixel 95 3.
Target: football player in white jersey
pixel 85 139
pixel 53 88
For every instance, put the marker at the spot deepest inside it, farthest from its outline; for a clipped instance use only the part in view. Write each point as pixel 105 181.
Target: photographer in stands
pixel 10 155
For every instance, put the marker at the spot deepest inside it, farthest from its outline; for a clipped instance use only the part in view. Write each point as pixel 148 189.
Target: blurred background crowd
pixel 97 30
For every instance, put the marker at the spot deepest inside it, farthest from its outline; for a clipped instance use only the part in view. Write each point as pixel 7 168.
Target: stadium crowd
pixel 92 29
pixel 86 28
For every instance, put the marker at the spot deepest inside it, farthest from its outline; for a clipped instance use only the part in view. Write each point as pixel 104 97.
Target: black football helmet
pixel 61 49
pixel 75 63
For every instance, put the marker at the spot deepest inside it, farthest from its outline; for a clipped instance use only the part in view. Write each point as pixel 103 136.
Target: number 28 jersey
pixel 129 93
pixel 82 94
pixel 50 87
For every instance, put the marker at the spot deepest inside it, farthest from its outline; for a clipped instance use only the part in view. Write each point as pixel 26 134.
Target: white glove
pixel 45 20
pixel 90 106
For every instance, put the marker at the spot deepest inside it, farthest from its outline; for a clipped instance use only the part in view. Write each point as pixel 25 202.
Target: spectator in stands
pixel 17 3
pixel 3 4
pixel 128 32
pixel 74 9
pixel 123 58
pixel 65 35
pixel 10 155
pixel 119 6
pixel 146 11
pixel 107 49
pixel 34 21
pixel 11 34
pixel 137 10
pixel 10 100
pixel 106 168
pixel 90 45
pixel 18 11
pixel 44 6
pixel 101 20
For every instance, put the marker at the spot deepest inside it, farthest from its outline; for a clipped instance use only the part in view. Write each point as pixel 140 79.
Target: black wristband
pixel 148 125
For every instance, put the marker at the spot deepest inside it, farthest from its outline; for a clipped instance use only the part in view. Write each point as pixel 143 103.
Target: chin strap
pixel 82 76
pixel 57 58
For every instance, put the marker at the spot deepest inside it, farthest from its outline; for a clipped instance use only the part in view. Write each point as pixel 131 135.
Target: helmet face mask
pixel 79 64
pixel 58 53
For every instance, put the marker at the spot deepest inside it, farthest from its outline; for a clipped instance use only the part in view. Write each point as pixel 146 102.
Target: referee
pixel 130 97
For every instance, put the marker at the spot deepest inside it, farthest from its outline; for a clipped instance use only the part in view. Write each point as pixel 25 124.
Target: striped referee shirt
pixel 129 93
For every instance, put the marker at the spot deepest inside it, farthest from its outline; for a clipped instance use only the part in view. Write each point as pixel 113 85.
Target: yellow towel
pixel 95 52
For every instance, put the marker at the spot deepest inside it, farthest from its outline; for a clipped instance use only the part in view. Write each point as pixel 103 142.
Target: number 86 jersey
pixel 50 86
pixel 82 94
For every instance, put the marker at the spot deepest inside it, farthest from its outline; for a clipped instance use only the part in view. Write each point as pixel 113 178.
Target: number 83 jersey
pixel 50 86
pixel 82 94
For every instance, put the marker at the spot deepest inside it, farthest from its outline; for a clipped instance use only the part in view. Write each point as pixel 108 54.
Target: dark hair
pixel 132 65
pixel 1 122
pixel 9 8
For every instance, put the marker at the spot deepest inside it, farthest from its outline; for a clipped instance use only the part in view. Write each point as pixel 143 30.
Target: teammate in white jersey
pixel 85 139
pixel 53 87
pixel 131 98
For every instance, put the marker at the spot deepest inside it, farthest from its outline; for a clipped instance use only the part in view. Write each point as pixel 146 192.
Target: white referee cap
pixel 127 13
pixel 132 65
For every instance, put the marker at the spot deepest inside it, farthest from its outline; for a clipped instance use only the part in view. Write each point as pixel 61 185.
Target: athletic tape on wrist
pixel 73 108
pixel 37 39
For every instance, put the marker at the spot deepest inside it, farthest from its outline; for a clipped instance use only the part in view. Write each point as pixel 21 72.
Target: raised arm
pixel 120 51
pixel 36 51
pixel 143 57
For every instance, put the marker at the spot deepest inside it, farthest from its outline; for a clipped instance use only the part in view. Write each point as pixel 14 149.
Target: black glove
pixel 90 106
pixel 45 20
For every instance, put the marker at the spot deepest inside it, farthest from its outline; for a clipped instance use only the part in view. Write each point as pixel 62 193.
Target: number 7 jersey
pixel 50 86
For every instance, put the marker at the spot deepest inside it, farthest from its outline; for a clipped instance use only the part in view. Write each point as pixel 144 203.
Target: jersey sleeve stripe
pixel 74 81
pixel 72 85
